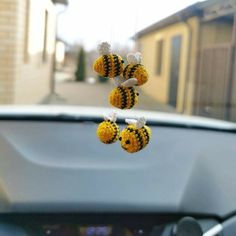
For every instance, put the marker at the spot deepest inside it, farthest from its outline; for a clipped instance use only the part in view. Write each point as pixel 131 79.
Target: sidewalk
pixel 84 94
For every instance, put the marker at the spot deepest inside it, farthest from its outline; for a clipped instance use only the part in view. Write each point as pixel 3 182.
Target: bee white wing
pixel 130 82
pixel 104 48
pixel 138 57
pixel 131 58
pixel 131 121
pixel 134 58
pixel 112 116
pixel 141 122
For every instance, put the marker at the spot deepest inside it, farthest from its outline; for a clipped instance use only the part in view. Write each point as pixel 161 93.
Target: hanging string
pixel 113 28
pixel 111 43
pixel 111 35
pixel 136 16
pixel 111 39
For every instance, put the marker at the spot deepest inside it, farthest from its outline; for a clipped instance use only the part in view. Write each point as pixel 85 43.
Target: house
pixel 191 59
pixel 27 43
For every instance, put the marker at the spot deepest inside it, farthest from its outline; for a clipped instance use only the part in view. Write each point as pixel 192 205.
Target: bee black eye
pixel 122 61
pixel 137 94
pixel 120 138
pixel 127 142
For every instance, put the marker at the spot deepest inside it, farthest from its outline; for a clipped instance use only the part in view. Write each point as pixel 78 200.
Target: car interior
pixel 62 188
pixel 117 118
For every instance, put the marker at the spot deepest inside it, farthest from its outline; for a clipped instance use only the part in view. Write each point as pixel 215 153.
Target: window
pixel 159 54
pixel 44 54
pixel 175 56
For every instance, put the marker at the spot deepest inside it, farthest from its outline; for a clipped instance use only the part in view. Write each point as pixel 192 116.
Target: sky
pixel 90 22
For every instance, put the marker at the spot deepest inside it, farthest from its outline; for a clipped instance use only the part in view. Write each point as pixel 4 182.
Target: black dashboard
pixel 62 166
pixel 101 224
pixel 59 170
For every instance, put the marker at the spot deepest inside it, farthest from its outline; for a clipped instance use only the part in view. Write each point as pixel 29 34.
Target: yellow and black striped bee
pixel 108 64
pixel 135 136
pixel 135 69
pixel 108 131
pixel 123 97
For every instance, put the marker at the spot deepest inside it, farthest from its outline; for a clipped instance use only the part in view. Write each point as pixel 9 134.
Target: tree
pixel 81 71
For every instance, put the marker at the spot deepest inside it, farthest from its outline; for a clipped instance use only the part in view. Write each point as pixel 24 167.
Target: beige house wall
pixel 158 86
pixel 26 78
pixel 7 50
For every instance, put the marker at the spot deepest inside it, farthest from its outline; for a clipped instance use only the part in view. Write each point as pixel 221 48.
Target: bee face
pixel 108 132
pixel 133 139
pixel 123 97
pixel 110 65
pixel 137 71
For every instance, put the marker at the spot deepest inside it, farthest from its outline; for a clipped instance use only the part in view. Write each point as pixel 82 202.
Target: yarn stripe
pixel 115 132
pixel 139 137
pixel 116 64
pixel 132 95
pixel 106 65
pixel 146 134
pixel 124 97
pixel 125 71
pixel 132 70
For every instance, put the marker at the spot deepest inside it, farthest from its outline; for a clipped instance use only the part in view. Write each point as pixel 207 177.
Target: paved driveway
pixel 84 94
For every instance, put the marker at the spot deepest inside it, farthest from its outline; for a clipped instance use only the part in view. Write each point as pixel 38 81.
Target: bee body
pixel 137 71
pixel 123 97
pixel 134 139
pixel 110 65
pixel 108 132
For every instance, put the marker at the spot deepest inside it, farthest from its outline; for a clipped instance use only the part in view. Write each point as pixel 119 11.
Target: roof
pixel 193 10
pixel 196 9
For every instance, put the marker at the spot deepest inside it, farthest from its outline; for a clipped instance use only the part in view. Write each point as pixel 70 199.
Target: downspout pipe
pixel 53 78
pixel 187 71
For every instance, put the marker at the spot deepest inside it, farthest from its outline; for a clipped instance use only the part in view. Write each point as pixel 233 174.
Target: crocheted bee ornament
pixel 135 69
pixel 135 136
pixel 124 95
pixel 108 131
pixel 108 64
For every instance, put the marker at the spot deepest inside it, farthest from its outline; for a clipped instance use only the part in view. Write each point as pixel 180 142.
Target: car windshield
pixel 117 118
pixel 177 56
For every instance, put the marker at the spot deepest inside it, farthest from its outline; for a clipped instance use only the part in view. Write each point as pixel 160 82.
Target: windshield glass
pixel 51 53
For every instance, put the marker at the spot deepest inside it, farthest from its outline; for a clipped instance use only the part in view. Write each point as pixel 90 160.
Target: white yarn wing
pixel 112 116
pixel 134 58
pixel 130 82
pixel 104 48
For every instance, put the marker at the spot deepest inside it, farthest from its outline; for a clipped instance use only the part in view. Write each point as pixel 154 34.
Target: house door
pixel 174 69
pixel 213 82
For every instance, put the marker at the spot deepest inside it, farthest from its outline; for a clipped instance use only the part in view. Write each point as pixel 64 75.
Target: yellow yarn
pixel 108 132
pixel 134 139
pixel 137 71
pixel 110 65
pixel 123 97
